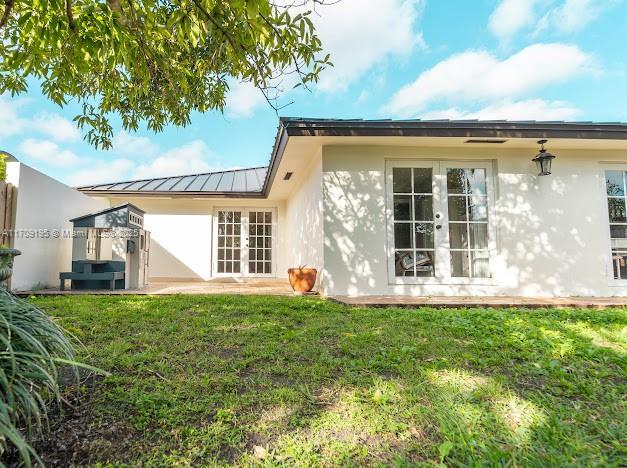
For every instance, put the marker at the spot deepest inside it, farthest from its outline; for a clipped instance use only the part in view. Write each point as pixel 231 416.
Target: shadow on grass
pixel 284 380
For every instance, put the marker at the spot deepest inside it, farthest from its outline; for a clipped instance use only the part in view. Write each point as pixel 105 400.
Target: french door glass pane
pixel 402 180
pixel 457 208
pixel 424 235
pixel 458 235
pixel 423 180
pixel 459 263
pixel 476 184
pixel 478 235
pixel 615 183
pixel 618 231
pixel 479 263
pixel 425 261
pixel 455 182
pixel 402 236
pixel 616 208
pixel 402 207
pixel 478 208
pixel 413 222
pixel 423 206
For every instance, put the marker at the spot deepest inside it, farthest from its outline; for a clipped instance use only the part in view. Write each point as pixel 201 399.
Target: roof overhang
pixel 454 128
pixel 330 129
pixel 429 132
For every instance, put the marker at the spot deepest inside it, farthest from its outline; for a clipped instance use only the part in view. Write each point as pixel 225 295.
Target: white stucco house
pixel 402 208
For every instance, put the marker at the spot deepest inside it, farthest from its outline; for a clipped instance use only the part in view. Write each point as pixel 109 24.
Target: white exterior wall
pixel 304 236
pixel 181 233
pixel 552 232
pixel 44 203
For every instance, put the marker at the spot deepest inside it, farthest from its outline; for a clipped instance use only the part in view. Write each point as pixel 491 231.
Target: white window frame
pixel 244 242
pixel 441 236
pixel 609 265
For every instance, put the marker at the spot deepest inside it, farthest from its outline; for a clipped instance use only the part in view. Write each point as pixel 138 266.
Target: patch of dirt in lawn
pixel 77 437
pixel 228 354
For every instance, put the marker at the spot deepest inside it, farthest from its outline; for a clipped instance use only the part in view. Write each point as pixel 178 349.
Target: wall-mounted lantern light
pixel 543 160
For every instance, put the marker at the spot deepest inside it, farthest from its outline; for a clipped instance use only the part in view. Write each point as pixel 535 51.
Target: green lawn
pixel 204 380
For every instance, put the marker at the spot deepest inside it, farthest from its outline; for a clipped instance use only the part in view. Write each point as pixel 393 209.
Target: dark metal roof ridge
pixel 107 210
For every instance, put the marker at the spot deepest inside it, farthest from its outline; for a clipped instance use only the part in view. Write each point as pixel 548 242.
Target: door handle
pixel 438 226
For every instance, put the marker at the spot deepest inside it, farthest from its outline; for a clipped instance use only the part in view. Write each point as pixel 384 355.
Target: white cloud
pixel 186 159
pixel 181 160
pixel 480 76
pixel 10 121
pixel 567 16
pixel 572 15
pixel 510 16
pixel 56 127
pixel 360 34
pixel 133 145
pixel 48 152
pixel 101 172
pixel 243 99
pixel 532 109
pixel 49 124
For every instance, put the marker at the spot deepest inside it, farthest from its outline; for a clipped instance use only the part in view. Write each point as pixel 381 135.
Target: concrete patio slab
pixel 271 287
pixel 483 301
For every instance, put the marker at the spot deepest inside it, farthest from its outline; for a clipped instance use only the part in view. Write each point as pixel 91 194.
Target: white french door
pixel 440 221
pixel 243 242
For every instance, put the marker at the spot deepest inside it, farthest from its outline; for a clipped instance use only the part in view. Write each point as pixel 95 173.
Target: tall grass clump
pixel 3 166
pixel 32 350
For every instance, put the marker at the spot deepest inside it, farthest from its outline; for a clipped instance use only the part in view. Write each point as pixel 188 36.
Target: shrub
pixel 3 166
pixel 32 349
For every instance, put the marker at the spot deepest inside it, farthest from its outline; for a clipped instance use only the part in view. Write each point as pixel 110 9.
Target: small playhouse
pixel 110 250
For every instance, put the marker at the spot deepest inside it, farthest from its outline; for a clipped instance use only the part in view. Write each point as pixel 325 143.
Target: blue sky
pixel 509 59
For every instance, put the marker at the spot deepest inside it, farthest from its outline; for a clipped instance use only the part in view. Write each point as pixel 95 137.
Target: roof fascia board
pixel 457 129
pixel 277 154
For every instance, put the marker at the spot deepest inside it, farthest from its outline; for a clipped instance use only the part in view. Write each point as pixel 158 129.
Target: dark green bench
pixel 111 276
pixel 94 274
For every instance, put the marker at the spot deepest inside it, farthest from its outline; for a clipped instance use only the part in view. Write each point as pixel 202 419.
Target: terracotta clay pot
pixel 302 280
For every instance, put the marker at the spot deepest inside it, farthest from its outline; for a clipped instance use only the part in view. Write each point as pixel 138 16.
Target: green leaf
pixel 157 62
pixel 444 449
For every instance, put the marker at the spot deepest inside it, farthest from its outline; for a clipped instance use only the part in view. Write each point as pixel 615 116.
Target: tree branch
pixel 223 30
pixel 70 16
pixel 8 5
pixel 116 9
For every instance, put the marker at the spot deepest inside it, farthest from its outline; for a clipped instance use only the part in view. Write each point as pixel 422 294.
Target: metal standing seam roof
pixel 256 182
pixel 237 181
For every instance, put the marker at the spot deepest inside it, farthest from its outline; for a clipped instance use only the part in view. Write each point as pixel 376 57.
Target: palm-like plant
pixel 32 348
